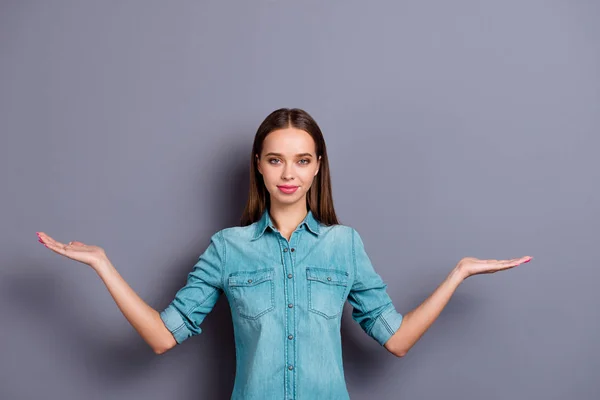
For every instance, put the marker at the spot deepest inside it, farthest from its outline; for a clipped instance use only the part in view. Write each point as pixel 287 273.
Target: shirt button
pixel 290 337
pixel 293 249
pixel 328 278
pixel 249 280
pixel 290 305
pixel 290 276
pixel 290 367
pixel 285 250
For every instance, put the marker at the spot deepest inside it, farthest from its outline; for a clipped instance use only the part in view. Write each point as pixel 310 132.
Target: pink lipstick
pixel 287 189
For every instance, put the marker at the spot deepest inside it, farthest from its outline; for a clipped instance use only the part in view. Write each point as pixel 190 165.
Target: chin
pixel 287 200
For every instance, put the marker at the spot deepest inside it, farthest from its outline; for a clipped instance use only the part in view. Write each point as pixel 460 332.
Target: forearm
pixel 145 320
pixel 416 322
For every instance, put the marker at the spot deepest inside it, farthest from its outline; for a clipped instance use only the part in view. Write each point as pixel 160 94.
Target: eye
pixel 307 161
pixel 273 159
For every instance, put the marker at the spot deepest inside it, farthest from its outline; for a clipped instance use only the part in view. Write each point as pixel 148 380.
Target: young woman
pixel 287 272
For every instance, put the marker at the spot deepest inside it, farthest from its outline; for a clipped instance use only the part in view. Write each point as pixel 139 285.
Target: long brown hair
pixel 319 199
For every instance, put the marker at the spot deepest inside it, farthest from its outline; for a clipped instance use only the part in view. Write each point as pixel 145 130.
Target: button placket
pixel 288 256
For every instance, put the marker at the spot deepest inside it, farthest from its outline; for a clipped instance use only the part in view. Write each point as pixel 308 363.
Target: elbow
pixel 400 353
pixel 399 349
pixel 403 346
pixel 396 348
pixel 161 350
pixel 163 347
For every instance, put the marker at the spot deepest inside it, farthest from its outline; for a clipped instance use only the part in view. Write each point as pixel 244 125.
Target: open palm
pixel 474 266
pixel 78 251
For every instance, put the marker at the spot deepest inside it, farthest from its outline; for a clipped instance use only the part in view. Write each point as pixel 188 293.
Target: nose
pixel 287 173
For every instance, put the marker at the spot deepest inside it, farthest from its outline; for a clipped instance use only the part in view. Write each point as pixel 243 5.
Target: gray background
pixel 454 129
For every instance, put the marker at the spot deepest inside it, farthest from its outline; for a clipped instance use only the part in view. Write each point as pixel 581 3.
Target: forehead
pixel 289 141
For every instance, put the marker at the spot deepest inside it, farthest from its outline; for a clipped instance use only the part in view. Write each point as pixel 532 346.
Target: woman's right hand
pixel 145 319
pixel 78 251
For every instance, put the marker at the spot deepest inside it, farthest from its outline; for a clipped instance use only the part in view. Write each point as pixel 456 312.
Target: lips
pixel 287 189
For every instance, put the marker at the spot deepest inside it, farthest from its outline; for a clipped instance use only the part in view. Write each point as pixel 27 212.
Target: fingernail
pixel 40 240
pixel 526 261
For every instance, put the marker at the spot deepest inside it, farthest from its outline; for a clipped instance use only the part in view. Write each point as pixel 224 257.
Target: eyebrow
pixel 297 155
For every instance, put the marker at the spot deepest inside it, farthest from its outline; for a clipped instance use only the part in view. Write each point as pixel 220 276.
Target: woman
pixel 286 272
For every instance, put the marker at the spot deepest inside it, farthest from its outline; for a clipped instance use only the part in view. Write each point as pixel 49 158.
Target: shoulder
pixel 337 228
pixel 236 232
pixel 223 240
pixel 338 232
pixel 350 235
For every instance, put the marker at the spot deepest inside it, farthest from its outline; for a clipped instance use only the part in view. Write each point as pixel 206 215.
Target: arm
pixel 141 316
pixel 416 322
pixel 181 318
pixel 374 311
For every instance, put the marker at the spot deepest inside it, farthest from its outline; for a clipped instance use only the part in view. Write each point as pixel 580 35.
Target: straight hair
pixel 319 198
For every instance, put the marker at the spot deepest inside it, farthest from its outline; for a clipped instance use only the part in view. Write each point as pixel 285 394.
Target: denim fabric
pixel 286 301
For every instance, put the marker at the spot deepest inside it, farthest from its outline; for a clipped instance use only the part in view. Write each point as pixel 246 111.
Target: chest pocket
pixel 326 291
pixel 252 292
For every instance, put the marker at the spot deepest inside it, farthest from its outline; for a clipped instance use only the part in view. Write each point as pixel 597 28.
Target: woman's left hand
pixel 473 266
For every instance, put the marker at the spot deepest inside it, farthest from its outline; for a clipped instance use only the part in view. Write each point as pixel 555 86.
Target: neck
pixel 287 218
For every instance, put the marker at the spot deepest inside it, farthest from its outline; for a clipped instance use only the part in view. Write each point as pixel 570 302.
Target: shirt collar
pixel 265 221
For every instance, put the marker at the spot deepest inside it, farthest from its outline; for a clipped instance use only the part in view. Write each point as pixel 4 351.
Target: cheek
pixel 269 176
pixel 307 176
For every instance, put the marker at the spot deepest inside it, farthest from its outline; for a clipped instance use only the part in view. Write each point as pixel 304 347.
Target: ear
pixel 258 163
pixel 318 166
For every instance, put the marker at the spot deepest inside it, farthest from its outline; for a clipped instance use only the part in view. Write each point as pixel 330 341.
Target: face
pixel 288 164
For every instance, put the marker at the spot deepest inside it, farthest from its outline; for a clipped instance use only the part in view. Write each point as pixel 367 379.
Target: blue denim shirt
pixel 286 301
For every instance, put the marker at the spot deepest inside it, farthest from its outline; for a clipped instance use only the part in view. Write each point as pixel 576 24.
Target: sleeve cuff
pixel 386 325
pixel 175 324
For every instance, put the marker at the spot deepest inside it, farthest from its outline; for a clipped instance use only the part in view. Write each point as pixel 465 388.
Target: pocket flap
pixel 250 278
pixel 325 275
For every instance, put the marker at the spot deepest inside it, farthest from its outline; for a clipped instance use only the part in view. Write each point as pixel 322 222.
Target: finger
pixel 512 262
pixel 516 261
pixel 519 260
pixel 47 239
pixel 57 249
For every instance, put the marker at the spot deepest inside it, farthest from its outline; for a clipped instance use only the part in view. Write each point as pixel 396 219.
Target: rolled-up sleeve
pixel 372 306
pixel 196 299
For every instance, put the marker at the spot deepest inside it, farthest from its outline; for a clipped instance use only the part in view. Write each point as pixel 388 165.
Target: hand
pixel 78 251
pixel 472 266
